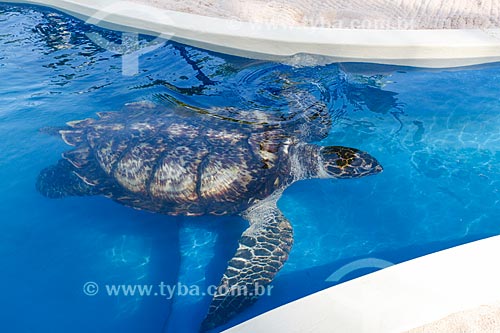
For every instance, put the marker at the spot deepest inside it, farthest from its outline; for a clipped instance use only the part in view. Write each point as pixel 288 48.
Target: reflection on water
pixel 193 76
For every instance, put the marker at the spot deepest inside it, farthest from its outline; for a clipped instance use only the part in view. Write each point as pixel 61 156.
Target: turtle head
pixel 344 162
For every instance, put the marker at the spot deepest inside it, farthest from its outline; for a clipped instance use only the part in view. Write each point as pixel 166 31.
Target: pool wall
pixel 420 48
pixel 398 298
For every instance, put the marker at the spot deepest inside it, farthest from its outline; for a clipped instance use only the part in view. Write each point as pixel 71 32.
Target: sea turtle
pixel 180 160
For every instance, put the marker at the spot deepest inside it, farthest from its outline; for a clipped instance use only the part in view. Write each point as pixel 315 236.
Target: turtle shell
pixel 149 157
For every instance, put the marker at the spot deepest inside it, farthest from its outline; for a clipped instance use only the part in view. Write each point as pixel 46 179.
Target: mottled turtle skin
pixel 179 161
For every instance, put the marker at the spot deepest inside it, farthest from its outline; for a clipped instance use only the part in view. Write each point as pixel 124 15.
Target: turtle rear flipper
pixel 263 249
pixel 60 181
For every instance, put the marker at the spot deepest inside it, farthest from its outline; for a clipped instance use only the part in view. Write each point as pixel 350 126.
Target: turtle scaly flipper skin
pixel 263 249
pixel 59 181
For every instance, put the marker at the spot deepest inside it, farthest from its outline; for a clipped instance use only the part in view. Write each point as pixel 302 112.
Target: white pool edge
pixel 395 299
pixel 421 48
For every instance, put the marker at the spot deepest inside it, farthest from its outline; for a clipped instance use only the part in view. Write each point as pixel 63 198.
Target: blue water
pixel 437 134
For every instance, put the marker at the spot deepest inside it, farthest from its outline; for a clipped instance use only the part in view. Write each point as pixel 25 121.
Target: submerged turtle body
pixel 159 161
pixel 188 161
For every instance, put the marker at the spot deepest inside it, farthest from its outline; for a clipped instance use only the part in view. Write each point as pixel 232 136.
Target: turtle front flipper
pixel 263 249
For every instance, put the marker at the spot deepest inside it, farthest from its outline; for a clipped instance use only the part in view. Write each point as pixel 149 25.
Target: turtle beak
pixel 378 169
pixel 364 164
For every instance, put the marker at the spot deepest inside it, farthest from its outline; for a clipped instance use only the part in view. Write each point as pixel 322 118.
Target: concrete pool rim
pixel 420 48
pixel 400 298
